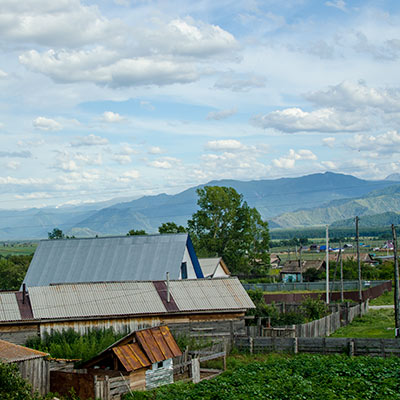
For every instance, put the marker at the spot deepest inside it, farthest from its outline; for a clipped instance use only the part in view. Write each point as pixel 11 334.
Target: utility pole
pixel 358 261
pixel 327 264
pixel 396 284
pixel 300 265
pixel 341 274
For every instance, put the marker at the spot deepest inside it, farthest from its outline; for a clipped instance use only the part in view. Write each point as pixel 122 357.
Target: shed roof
pixel 9 310
pixel 10 352
pixel 123 258
pixel 141 349
pixel 105 299
pixel 293 267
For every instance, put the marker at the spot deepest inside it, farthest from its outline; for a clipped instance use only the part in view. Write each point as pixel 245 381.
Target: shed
pixel 145 357
pixel 214 267
pixel 124 258
pixel 33 364
pixel 292 270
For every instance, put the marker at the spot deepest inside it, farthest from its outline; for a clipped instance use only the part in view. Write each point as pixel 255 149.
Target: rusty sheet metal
pixel 150 346
pixel 162 345
pixel 9 310
pixel 169 339
pixel 10 352
pixel 131 357
pixel 210 294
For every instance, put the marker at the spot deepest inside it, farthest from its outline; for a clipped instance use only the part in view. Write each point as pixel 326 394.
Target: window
pixel 184 274
pixel 160 364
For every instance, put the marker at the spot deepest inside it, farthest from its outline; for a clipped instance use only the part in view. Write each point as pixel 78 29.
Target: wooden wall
pixel 37 372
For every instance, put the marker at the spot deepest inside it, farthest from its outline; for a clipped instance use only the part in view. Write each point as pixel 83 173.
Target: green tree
pixel 226 226
pixel 56 234
pixel 134 232
pixel 171 227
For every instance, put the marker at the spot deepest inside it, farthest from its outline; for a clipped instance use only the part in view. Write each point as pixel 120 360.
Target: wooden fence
pixel 353 347
pixel 321 327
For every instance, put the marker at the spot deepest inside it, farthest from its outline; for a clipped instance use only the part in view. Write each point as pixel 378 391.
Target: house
pixel 213 307
pixel 275 260
pixel 32 364
pixel 293 270
pixel 214 267
pixel 144 356
pixel 124 258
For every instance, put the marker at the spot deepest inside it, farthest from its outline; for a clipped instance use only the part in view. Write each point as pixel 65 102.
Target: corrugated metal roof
pixel 152 345
pixel 10 352
pixel 123 258
pixel 9 310
pixel 210 294
pixel 136 298
pixel 209 265
pixel 95 299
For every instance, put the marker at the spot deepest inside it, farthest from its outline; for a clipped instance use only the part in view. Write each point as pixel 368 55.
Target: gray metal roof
pixel 107 259
pixel 136 298
pixel 9 310
pixel 209 265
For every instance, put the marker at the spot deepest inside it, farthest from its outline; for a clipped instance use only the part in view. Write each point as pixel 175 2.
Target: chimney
pixel 168 297
pixel 23 293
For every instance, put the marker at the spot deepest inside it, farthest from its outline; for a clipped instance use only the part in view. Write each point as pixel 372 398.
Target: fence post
pixel 295 345
pixel 351 347
pixel 250 345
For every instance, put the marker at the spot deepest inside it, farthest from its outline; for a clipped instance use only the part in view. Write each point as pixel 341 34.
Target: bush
pixel 72 345
pixel 12 385
pixel 313 309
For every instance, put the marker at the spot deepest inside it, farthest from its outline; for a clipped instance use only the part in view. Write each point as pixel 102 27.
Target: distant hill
pixel 370 221
pixel 283 202
pixel 376 202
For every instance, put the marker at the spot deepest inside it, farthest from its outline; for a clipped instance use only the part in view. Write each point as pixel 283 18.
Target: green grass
pixel 386 299
pixel 17 249
pixel 300 377
pixel 375 324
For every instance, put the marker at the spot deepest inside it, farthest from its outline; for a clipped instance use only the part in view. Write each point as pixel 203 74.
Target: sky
pixel 124 98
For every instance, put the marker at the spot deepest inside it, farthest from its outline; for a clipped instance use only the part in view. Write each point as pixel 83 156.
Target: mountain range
pixel 309 200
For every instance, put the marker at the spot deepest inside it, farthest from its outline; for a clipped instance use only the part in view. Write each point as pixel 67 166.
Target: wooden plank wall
pixel 37 372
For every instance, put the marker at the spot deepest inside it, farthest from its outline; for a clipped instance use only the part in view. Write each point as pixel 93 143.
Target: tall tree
pixel 226 226
pixel 56 234
pixel 171 227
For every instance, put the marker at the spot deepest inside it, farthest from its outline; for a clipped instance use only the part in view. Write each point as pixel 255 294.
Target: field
pixel 374 324
pixel 280 377
pixel 7 249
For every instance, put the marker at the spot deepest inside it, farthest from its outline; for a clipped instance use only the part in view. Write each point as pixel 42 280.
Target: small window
pixel 184 274
pixel 160 364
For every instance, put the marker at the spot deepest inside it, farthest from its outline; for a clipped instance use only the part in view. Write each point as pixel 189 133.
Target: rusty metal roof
pixel 142 348
pixel 10 352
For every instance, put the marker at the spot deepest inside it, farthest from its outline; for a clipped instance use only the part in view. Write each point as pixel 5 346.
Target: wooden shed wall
pixel 37 372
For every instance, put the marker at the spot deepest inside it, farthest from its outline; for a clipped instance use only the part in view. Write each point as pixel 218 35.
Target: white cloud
pixel 329 142
pixel 240 83
pixel 3 74
pixel 218 115
pixel 225 145
pixel 289 161
pixel 129 176
pixel 109 116
pixel 46 124
pixel 36 195
pixel 292 120
pixel 127 150
pixel 122 159
pixel 156 150
pixel 349 96
pixel 339 4
pixel 23 181
pixel 13 165
pixel 50 23
pixel 147 105
pixel 386 143
pixel 89 140
pixel 162 164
